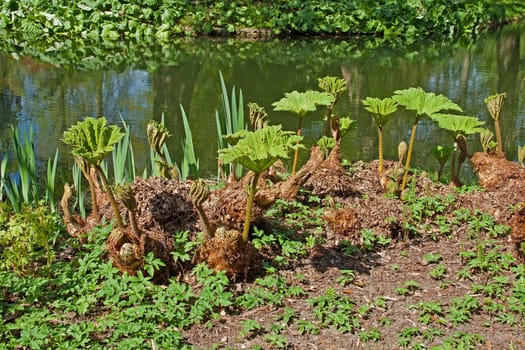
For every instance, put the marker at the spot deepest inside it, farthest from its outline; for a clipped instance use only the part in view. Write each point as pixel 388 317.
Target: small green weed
pixel 431 333
pixel 461 340
pixel 432 258
pixel 370 240
pixel 409 287
pixel 428 311
pixel 336 310
pixel 405 336
pixel 348 248
pixel 271 289
pixel 277 340
pixel 287 316
pixel 184 247
pixel 496 286
pixel 307 327
pixel 296 214
pixel 347 277
pixel 461 309
pixel 250 327
pixel 425 213
pixel 438 272
pixel 370 335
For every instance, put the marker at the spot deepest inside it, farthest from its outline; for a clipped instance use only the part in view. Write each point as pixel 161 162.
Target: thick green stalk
pixel 113 201
pixel 296 154
pixel 207 227
pixel 440 171
pixel 499 140
pixel 328 126
pixel 380 131
pixel 135 226
pixel 409 155
pixel 453 177
pixel 94 203
pixel 249 205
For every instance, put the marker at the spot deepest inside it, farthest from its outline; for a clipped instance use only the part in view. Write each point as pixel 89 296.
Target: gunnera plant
pixel 442 155
pixel 92 140
pixel 486 137
pixel 459 127
pixel 157 135
pixel 336 87
pixel 382 110
pixel 301 103
pixel 230 250
pixel 424 105
pixel 495 106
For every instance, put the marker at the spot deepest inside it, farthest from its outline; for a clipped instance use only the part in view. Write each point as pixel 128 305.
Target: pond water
pixel 52 98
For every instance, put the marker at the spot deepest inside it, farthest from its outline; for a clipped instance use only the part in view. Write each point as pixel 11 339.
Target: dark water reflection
pixel 54 98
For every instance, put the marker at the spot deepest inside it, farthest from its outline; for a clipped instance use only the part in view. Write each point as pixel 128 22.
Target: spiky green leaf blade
pixel 190 161
pixel 51 179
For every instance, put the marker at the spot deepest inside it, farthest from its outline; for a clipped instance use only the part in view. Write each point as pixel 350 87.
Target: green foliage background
pixel 140 19
pixel 80 30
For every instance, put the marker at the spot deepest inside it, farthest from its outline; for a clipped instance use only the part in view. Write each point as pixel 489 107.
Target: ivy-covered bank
pixel 160 20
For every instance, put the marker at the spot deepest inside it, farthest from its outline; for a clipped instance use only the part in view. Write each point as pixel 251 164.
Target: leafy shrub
pixel 26 236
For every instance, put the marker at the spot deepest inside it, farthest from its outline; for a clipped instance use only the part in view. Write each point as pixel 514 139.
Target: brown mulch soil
pixel 379 273
pixel 356 201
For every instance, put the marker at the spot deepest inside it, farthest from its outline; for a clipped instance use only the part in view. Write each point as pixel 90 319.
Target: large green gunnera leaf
pixel 458 124
pixel 424 103
pixel 92 139
pixel 302 102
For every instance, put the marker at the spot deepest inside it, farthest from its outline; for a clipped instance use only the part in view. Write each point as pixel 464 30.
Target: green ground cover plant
pixel 121 310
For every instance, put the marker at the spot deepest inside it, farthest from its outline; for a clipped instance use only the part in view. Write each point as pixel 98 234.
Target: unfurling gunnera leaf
pixel 259 149
pixel 92 139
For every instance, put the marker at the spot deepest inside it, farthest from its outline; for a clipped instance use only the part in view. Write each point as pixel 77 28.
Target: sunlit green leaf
pixel 92 139
pixel 302 102
pixel 259 149
pixel 425 104
pixel 381 109
pixel 458 124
